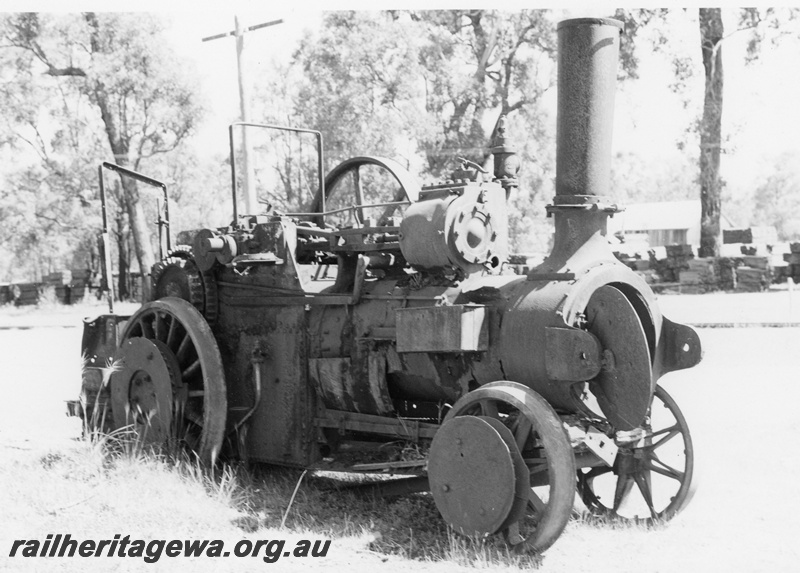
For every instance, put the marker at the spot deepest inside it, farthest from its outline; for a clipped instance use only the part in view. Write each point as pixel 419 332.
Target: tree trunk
pixel 119 147
pixel 711 34
pixel 123 259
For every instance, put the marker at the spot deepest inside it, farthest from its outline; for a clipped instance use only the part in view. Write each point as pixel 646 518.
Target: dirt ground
pixel 741 403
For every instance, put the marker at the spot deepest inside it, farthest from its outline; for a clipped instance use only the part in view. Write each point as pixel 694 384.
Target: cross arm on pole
pixel 248 29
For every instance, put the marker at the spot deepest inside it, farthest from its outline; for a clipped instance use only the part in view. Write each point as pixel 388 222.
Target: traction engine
pixel 283 339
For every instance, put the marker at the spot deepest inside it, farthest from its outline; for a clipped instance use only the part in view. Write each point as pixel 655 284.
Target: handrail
pixel 318 135
pixel 162 222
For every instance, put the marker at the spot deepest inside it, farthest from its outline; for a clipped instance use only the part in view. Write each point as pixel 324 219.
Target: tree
pixel 777 199
pixel 432 89
pixel 123 70
pixel 711 36
pixel 480 65
pixel 762 24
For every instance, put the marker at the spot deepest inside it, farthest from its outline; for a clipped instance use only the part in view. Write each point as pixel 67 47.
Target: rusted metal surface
pixel 400 342
pixel 462 226
pixel 141 390
pixel 625 383
pixel 587 74
pixel 571 354
pixel 472 475
pixel 193 373
pixel 458 328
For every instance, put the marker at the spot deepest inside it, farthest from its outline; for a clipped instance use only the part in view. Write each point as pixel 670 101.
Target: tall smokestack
pixel 588 50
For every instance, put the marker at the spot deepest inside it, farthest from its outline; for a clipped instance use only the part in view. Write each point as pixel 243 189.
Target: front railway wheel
pixel 171 384
pixel 651 481
pixel 541 458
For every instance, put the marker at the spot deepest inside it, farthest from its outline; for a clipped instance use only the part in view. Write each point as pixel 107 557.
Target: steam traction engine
pixel 281 339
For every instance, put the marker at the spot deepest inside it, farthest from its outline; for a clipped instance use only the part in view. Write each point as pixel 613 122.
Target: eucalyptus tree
pixel 120 75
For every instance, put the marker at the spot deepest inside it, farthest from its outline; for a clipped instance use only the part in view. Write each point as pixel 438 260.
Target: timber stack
pixel 701 276
pixel 793 259
pixel 754 275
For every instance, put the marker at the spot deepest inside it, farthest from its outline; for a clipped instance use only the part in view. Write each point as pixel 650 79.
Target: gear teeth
pixel 201 289
pixel 211 298
pixel 182 251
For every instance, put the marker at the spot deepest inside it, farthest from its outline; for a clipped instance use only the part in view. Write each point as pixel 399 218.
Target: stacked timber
pixel 25 294
pixel 518 264
pixel 65 286
pixel 727 271
pixel 737 236
pixel 701 276
pixel 5 294
pixel 763 235
pixel 677 260
pixel 754 275
pixel 793 259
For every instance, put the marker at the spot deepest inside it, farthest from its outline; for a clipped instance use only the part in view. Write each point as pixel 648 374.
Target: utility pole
pixel 250 197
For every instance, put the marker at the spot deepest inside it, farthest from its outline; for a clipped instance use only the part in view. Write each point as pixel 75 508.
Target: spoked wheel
pixel 504 464
pixel 171 384
pixel 651 481
pixel 353 171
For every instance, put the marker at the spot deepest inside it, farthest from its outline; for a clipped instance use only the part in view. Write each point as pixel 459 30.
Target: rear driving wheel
pixel 171 384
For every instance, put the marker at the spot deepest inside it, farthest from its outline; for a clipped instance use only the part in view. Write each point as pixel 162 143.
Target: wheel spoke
pixel 489 408
pixel 535 502
pixel 183 347
pixel 674 432
pixel 191 370
pixel 522 432
pixel 623 488
pixel 172 332
pixel 672 428
pixel 663 469
pixel 359 190
pixel 644 488
pixel 147 328
pixel 158 326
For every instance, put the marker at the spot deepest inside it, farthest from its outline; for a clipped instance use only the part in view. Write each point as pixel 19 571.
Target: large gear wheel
pixel 177 275
pixel 182 251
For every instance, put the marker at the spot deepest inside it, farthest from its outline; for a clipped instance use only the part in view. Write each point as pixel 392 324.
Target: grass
pixel 112 483
pixel 107 483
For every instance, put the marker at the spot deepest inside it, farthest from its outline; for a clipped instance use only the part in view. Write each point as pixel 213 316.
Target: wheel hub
pixel 472 475
pixel 142 389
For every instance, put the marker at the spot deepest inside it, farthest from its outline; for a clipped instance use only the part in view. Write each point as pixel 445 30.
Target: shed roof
pixel 655 216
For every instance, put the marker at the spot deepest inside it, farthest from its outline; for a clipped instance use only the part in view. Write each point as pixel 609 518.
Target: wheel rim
pixel 652 482
pixel 188 375
pixel 540 438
